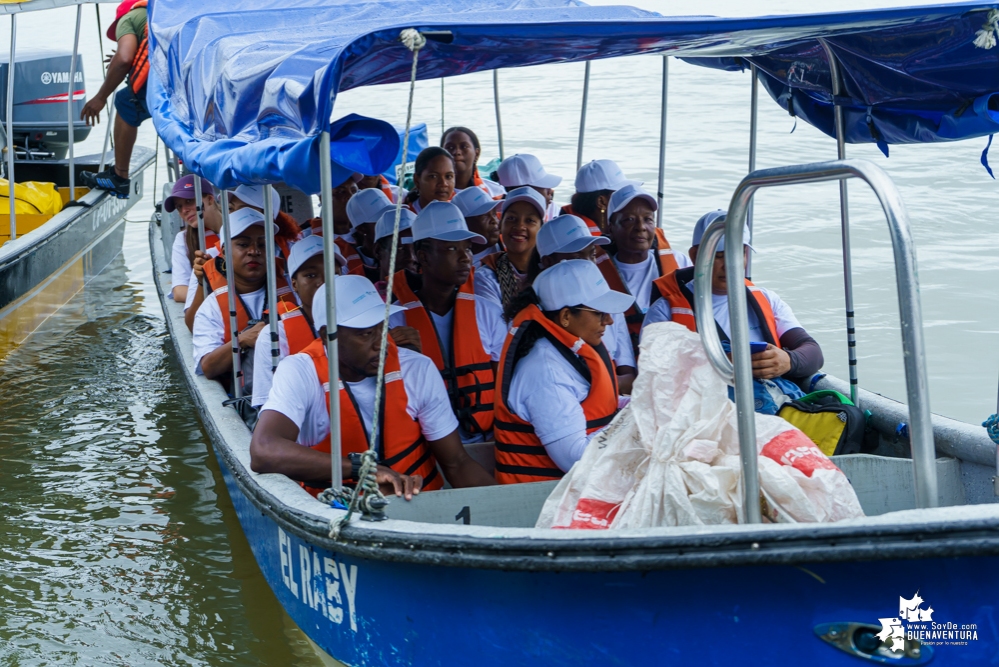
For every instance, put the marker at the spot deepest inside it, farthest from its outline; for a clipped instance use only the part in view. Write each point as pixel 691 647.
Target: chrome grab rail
pixel 910 316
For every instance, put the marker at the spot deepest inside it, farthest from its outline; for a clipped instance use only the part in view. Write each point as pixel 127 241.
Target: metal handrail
pixel 910 316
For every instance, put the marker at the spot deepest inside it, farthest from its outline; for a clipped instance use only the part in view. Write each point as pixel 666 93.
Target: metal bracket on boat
pixel 862 640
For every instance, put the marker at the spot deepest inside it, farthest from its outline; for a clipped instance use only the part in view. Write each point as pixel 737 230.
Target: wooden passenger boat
pixel 462 576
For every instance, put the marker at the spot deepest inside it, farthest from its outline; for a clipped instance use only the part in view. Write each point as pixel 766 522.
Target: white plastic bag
pixel 671 458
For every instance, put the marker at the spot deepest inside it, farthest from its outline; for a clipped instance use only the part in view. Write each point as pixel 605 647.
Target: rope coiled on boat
pixel 366 496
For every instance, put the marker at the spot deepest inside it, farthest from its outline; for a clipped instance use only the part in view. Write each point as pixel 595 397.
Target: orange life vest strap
pixel 297 329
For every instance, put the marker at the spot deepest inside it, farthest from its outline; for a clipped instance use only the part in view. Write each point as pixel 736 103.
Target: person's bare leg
pixel 124 141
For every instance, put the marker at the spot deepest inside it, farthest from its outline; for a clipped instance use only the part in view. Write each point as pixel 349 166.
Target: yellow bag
pixel 31 197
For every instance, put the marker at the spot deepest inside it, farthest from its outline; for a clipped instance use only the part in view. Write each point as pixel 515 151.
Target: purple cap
pixel 184 189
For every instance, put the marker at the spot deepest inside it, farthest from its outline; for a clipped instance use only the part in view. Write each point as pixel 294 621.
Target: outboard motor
pixel 41 80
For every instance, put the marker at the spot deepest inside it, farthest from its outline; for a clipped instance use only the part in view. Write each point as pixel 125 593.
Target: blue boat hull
pixel 370 612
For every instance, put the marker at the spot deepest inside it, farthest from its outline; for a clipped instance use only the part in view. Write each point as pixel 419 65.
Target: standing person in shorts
pixel 130 61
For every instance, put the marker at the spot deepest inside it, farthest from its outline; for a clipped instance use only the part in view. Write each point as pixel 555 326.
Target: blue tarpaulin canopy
pixel 242 92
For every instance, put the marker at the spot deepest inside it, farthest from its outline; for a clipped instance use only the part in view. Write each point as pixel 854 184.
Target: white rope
pixel 986 37
pixel 414 41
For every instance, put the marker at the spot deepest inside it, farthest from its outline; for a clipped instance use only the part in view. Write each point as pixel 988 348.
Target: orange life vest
pixel 673 288
pixel 520 456
pixel 297 329
pixel 593 226
pixel 468 373
pixel 212 240
pixel 403 448
pixel 139 72
pixel 355 265
pixel 215 273
pixel 388 189
pixel 666 264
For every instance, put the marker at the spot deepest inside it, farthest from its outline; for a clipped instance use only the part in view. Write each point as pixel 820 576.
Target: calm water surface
pixel 119 545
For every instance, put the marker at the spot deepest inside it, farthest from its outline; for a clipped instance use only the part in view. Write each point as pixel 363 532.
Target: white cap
pixel 243 219
pixel 443 220
pixel 566 233
pixel 358 305
pixel 386 223
pixel 625 195
pixel 254 196
pixel 578 282
pixel 302 251
pixel 601 175
pixel 524 169
pixel 367 206
pixel 703 223
pixel 475 201
pixel 529 195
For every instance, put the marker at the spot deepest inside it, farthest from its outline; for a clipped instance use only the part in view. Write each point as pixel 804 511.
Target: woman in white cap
pixel 596 181
pixel 185 244
pixel 482 217
pixel 253 196
pixel 568 237
pixel 525 170
pixel 791 355
pixel 462 333
pixel 502 275
pixel 640 252
pixel 364 209
pixel 557 385
pixel 433 178
pixel 292 435
pixel 464 147
pixel 211 332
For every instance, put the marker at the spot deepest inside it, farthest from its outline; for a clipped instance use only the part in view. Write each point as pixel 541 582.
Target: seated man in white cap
pixel 503 274
pixel 557 385
pixel 596 181
pixel 292 436
pixel 525 170
pixel 211 334
pixel 791 355
pixel 641 252
pixel 567 237
pixel 364 209
pixel 482 217
pixel 462 333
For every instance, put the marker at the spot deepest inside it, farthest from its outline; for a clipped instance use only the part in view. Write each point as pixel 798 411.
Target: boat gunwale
pixel 910 534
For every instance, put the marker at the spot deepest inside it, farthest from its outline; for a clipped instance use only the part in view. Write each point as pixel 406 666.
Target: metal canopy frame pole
pixel 662 143
pixel 71 131
pixel 271 262
pixel 199 206
pixel 107 139
pixel 582 116
pixel 753 107
pixel 332 352
pixel 230 281
pixel 499 121
pixel 910 316
pixel 10 129
pixel 844 215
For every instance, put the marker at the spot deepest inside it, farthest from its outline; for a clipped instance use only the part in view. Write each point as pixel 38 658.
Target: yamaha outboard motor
pixel 41 89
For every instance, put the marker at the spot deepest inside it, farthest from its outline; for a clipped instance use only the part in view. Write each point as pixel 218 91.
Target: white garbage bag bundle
pixel 671 457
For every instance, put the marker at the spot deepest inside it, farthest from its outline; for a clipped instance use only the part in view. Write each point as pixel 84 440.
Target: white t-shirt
pixel 487 283
pixel 180 265
pixel 488 317
pixel 209 329
pixel 617 340
pixel 297 394
pixel 638 277
pixel 262 375
pixel 546 391
pixel 479 256
pixel 553 211
pixel 783 317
